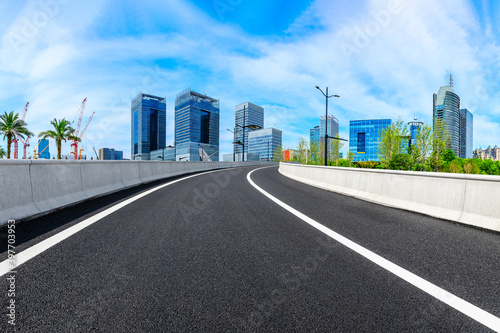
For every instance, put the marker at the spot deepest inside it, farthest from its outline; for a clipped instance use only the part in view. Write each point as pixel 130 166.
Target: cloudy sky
pixel 384 58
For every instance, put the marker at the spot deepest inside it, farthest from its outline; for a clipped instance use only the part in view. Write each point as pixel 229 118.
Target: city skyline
pixel 384 58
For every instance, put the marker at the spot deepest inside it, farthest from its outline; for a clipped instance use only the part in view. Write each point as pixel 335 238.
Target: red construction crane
pixel 80 116
pixel 75 143
pixel 17 138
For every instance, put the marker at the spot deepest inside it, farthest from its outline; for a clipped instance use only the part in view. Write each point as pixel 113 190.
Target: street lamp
pixel 253 127
pixel 326 123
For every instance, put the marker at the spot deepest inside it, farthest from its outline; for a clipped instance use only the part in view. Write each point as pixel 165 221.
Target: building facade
pixel 414 127
pixel 43 148
pixel 110 154
pixel 246 114
pixel 488 153
pixel 148 128
pixel 265 142
pixel 196 126
pixel 331 125
pixel 466 135
pixel 314 136
pixel 446 107
pixel 364 136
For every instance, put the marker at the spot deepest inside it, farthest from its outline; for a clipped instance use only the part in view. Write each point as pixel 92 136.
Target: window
pixel 361 142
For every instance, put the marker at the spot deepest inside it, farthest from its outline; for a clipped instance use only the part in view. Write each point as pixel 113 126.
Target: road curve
pixel 213 254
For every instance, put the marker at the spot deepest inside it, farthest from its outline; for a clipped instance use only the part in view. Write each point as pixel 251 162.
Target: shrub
pixel 367 165
pixel 401 162
pixel 456 166
pixel 448 155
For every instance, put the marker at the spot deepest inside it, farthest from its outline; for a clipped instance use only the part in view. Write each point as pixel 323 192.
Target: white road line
pixel 455 302
pixel 38 248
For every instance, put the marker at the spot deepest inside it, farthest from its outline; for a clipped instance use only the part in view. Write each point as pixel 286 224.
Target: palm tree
pixel 2 152
pixel 62 132
pixel 10 126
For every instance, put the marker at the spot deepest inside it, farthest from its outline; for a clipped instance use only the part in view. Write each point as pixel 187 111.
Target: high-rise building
pixel 246 114
pixel 446 107
pixel 466 136
pixel 414 127
pixel 364 136
pixel 264 142
pixel 148 125
pixel 331 125
pixel 110 154
pixel 314 136
pixel 196 126
pixel 43 148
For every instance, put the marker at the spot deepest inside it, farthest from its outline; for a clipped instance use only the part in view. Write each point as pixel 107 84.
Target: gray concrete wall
pixel 30 188
pixel 469 199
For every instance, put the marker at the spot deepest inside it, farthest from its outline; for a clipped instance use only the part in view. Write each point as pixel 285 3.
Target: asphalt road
pixel 212 254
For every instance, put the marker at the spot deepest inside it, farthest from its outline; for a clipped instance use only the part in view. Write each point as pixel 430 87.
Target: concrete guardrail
pixel 469 199
pixel 32 188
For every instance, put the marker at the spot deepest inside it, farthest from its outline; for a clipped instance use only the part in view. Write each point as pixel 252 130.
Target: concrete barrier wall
pixel 469 199
pixel 30 188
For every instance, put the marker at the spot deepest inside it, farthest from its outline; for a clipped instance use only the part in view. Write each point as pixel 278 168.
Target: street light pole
pixel 244 123
pixel 326 121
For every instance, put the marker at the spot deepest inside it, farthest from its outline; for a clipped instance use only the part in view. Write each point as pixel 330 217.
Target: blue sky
pixel 384 58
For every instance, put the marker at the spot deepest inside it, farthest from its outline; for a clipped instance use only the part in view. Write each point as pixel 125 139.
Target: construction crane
pixel 96 156
pixel 17 138
pixel 79 134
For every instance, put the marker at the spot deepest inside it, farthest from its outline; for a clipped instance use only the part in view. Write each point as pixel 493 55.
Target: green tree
pixel 278 154
pixel 315 153
pixel 350 157
pixel 62 131
pixel 422 147
pixel 2 152
pixel 391 141
pixel 448 155
pixel 10 126
pixel 334 150
pixel 303 151
pixel 401 162
pixel 440 140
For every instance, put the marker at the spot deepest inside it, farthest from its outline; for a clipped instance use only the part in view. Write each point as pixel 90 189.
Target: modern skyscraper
pixel 446 106
pixel 414 127
pixel 466 136
pixel 246 114
pixel 333 126
pixel 364 136
pixel 264 142
pixel 148 125
pixel 196 126
pixel 43 148
pixel 110 154
pixel 314 136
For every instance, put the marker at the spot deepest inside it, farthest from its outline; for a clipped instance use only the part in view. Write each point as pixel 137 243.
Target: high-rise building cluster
pixel 196 133
pixel 488 153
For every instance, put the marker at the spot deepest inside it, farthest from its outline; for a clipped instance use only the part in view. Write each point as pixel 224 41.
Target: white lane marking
pixel 38 248
pixel 455 302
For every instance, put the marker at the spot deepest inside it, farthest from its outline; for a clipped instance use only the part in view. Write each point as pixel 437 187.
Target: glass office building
pixel 466 127
pixel 43 148
pixel 264 142
pixel 110 154
pixel 246 114
pixel 446 106
pixel 314 136
pixel 364 136
pixel 196 126
pixel 148 125
pixel 414 127
pixel 331 125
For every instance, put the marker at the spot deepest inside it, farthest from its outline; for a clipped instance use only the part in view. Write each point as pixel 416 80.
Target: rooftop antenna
pixel 451 82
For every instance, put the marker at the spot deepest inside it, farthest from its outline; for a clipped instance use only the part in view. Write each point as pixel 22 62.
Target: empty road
pixel 213 253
